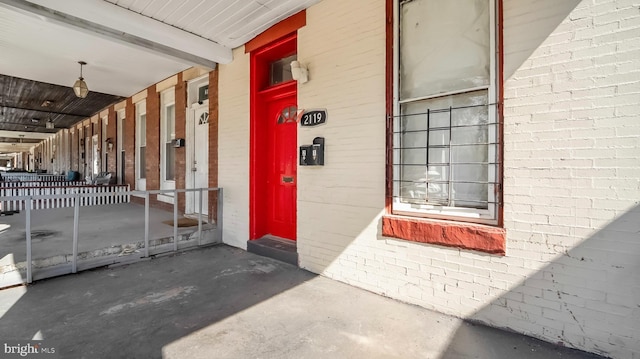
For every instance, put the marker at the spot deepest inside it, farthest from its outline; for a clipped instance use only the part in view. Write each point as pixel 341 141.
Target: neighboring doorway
pixel 95 156
pixel 274 141
pixel 120 122
pixel 105 148
pixel 86 165
pixel 197 168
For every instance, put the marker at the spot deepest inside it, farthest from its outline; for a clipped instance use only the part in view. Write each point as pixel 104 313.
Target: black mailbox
pixel 178 142
pixel 313 155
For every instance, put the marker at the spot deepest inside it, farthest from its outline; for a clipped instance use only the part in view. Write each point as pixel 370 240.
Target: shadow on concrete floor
pixel 223 302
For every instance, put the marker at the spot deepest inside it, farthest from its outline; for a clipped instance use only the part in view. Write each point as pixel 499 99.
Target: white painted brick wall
pixel 572 99
pixel 572 188
pixel 233 148
pixel 571 181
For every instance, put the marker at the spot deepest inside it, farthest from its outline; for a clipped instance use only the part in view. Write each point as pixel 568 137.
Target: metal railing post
pixel 175 219
pixel 76 221
pixel 200 218
pixel 219 215
pixel 146 224
pixel 28 233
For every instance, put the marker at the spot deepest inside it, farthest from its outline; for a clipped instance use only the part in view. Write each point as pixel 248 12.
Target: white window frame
pixel 485 216
pixel 120 123
pixel 141 141
pixel 167 99
pixel 104 156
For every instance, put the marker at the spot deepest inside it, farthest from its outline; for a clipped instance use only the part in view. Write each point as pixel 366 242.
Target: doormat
pixel 183 222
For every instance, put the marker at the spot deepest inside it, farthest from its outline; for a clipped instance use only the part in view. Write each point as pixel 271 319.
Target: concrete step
pixel 281 249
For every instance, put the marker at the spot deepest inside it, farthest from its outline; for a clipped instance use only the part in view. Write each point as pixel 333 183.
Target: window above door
pixel 280 70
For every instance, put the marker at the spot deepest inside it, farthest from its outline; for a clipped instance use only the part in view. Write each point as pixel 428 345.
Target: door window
pixel 288 114
pixel 280 70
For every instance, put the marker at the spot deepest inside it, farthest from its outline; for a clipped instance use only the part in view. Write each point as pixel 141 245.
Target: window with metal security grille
pixel 445 123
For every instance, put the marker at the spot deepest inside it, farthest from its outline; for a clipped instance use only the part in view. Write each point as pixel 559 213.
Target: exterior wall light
pixel 299 72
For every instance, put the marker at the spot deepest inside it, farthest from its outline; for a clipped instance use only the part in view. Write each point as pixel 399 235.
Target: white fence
pixel 108 195
pixel 22 176
pixel 43 184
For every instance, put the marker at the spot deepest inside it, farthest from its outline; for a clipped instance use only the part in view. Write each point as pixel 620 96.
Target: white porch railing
pixel 14 198
pixel 22 176
pixel 43 183
pixel 72 267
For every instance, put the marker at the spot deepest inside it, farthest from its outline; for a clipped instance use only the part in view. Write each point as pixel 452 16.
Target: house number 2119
pixel 313 118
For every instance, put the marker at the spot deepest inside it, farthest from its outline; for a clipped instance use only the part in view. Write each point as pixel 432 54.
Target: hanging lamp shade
pixel 80 87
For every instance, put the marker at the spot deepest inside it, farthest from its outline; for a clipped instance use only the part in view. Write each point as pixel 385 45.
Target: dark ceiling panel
pixel 22 105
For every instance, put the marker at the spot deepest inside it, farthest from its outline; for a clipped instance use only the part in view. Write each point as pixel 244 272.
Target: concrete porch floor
pixel 223 302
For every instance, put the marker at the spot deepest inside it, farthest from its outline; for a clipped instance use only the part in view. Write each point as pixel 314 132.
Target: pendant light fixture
pixel 49 124
pixel 80 87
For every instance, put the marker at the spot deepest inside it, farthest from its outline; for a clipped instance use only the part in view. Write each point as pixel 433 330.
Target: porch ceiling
pixel 230 23
pixel 128 45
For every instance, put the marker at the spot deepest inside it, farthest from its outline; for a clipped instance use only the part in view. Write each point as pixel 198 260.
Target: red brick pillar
pixel 181 132
pixel 213 142
pixel 153 139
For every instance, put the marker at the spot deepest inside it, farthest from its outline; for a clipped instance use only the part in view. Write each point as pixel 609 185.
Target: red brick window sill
pixel 451 234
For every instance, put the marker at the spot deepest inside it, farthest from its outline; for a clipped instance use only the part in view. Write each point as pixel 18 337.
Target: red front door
pixel 282 179
pixel 273 182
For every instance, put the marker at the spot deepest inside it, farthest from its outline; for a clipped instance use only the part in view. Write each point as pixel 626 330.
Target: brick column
pixel 213 142
pixel 153 139
pixel 130 144
pixel 181 132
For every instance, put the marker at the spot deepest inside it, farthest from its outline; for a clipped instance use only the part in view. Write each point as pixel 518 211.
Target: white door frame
pixel 120 118
pixel 95 156
pixel 87 156
pixel 167 98
pixel 191 147
pixel 192 106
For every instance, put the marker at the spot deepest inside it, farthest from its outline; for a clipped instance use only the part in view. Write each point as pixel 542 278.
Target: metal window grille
pixel 446 157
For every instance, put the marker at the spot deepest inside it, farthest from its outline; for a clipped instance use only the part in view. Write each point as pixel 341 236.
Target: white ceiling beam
pixel 6 147
pixel 110 21
pixel 16 147
pixel 24 134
